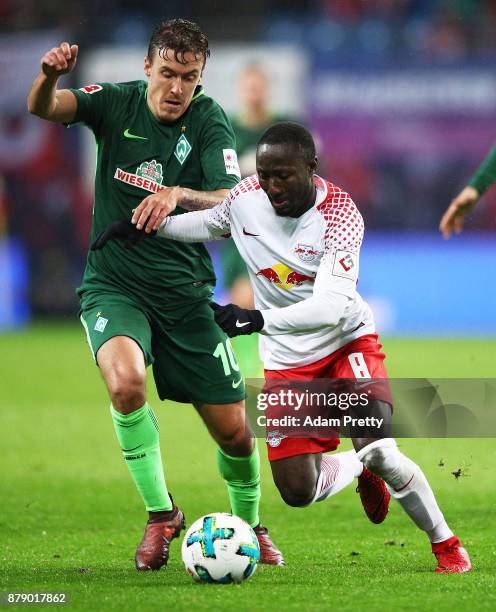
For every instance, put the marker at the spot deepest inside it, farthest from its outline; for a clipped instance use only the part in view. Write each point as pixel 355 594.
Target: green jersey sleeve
pixel 94 105
pixel 485 175
pixel 218 154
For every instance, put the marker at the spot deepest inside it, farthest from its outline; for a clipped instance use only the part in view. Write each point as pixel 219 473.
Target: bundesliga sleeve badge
pixel 345 265
pixel 231 162
pixel 91 89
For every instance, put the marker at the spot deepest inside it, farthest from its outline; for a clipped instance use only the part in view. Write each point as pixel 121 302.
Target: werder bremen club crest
pixel 151 170
pixel 183 149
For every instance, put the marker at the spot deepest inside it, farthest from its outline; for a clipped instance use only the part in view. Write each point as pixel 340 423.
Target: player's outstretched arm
pixel 195 226
pixel 44 99
pixel 454 217
pixel 485 175
pixel 314 313
pixel 152 211
pixel 190 227
pixel 323 309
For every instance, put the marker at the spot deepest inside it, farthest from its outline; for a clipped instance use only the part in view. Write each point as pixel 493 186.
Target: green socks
pixel 138 436
pixel 242 476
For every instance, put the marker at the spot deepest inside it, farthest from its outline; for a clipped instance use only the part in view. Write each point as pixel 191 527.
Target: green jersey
pixel 137 155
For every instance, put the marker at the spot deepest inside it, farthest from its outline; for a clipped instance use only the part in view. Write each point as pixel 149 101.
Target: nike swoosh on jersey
pixel 128 134
pixel 355 328
pixel 238 324
pixel 249 233
pixel 235 384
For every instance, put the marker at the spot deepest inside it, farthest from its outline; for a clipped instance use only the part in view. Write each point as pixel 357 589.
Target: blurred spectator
pixel 254 117
pixel 447 39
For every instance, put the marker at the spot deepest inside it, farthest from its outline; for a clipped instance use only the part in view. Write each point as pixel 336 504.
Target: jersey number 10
pixel 226 355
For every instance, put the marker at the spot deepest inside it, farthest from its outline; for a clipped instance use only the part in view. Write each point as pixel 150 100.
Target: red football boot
pixel 373 495
pixel 269 553
pixel 153 551
pixel 451 557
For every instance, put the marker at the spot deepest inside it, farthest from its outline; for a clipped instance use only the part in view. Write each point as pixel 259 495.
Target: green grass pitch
pixel 70 518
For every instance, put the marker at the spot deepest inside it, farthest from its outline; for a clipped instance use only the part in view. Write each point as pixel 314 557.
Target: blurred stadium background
pixel 400 94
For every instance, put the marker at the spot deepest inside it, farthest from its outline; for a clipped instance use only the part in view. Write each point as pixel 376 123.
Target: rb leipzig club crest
pixel 306 252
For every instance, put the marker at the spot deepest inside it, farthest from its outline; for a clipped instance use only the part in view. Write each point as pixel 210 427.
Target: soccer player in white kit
pixel 300 237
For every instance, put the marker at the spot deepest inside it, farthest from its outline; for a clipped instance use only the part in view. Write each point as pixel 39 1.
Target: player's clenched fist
pixel 59 60
pixel 152 211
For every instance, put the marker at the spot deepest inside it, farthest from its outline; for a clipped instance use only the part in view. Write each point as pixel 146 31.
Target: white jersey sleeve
pixel 337 274
pixel 199 225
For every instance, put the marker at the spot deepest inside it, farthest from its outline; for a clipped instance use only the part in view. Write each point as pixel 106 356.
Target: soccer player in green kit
pixel 160 140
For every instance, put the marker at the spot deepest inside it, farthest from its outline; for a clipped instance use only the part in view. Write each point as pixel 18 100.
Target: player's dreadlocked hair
pixel 292 134
pixel 181 36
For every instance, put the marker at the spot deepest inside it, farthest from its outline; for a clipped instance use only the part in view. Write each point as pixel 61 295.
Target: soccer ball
pixel 220 548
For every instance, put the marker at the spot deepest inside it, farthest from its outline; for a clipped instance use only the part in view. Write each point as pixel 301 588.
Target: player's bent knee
pixel 229 427
pixel 296 478
pixel 237 443
pixel 295 492
pixel 127 392
pixel 127 401
pixel 297 497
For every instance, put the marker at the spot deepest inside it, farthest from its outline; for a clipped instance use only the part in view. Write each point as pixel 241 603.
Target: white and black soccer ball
pixel 220 548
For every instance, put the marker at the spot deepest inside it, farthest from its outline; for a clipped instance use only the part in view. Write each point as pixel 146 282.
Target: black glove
pixel 236 321
pixel 120 230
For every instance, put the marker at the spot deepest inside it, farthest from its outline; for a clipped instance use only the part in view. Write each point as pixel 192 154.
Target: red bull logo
pixel 284 277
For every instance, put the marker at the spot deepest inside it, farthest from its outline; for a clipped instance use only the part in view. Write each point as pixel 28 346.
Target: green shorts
pixel 192 359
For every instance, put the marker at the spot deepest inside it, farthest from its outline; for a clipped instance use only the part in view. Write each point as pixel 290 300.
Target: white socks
pixel 408 485
pixel 337 472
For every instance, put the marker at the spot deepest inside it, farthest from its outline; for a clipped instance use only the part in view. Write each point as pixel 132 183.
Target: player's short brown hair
pixel 181 36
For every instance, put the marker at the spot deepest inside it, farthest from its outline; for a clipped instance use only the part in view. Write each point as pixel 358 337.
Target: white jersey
pixel 303 270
